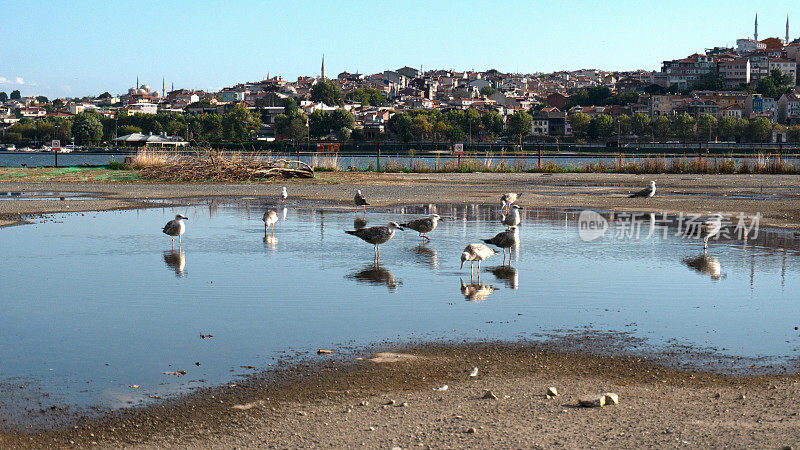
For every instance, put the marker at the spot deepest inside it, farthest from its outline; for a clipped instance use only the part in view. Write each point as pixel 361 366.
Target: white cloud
pixel 17 81
pixel 4 80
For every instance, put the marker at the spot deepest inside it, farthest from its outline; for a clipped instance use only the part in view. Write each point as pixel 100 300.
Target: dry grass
pixel 325 162
pixel 207 165
pixel 147 158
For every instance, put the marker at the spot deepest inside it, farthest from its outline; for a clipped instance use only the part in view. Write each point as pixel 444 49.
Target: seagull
pixel 474 372
pixel 646 192
pixel 270 218
pixel 512 219
pixel 505 239
pixel 508 198
pixel 359 200
pixel 284 194
pixel 376 235
pixel 424 225
pixel 476 252
pixel 175 227
pixel 710 228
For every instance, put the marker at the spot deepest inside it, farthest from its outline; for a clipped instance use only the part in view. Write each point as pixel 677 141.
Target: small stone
pixel 611 398
pixel 404 404
pixel 742 397
pixel 552 392
pixel 348 410
pixel 489 395
pixel 371 428
pixel 365 403
pixel 391 402
pixel 471 430
pixel 592 401
pixel 717 395
pixel 302 413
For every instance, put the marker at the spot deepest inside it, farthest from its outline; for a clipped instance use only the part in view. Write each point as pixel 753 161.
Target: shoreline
pixel 272 401
pixel 387 397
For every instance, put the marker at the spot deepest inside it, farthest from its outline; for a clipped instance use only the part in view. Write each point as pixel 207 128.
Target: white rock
pixel 591 401
pixel 611 398
pixel 552 392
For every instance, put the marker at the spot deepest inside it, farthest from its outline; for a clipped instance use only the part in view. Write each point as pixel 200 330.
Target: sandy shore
pixel 321 405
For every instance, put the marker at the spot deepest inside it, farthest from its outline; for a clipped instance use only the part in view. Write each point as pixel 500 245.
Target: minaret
pixel 755 33
pixel 787 30
pixel 322 75
pixel 137 82
pixel 163 87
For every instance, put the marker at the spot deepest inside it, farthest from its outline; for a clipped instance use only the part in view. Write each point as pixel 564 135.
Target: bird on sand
pixel 424 225
pixel 646 192
pixel 376 235
pixel 512 219
pixel 284 194
pixel 508 198
pixel 476 252
pixel 270 218
pixel 505 240
pixel 359 200
pixel 175 227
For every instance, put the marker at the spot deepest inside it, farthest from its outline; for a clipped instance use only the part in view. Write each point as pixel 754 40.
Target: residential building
pixel 786 66
pixel 789 108
pixel 735 72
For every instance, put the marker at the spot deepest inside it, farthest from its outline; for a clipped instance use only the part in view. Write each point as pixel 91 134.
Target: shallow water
pixel 93 304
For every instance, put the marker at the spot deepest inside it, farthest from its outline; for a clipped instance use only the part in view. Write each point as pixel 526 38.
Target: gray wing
pixel 421 225
pixel 360 200
pixel 643 193
pixel 504 239
pixel 373 235
pixel 171 228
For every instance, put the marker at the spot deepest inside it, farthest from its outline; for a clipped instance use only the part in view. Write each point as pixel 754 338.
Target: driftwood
pixel 218 167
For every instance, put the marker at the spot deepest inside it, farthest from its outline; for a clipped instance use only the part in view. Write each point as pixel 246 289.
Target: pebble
pixel 592 401
pixel 365 403
pixel 371 429
pixel 742 397
pixel 611 398
pixel 489 395
pixel 302 413
pixel 552 392
pixel 404 404
pixel 391 402
pixel 471 430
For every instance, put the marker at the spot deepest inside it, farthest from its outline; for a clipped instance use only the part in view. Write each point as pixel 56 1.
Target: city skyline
pixel 99 47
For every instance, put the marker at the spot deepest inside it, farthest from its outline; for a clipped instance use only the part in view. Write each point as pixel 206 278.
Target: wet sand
pixel 320 405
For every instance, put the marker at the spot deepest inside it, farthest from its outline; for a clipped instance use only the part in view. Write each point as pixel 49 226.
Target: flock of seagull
pixel 474 252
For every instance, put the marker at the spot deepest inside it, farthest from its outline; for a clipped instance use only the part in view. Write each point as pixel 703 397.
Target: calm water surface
pixel 94 303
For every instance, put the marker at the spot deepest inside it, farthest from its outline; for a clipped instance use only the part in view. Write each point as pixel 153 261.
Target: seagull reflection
pixel 176 260
pixel 359 223
pixel 706 265
pixel 426 255
pixel 476 292
pixel 507 274
pixel 271 242
pixel 375 274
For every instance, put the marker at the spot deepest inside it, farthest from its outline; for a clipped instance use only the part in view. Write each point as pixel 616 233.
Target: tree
pixel 3 97
pixel 520 124
pixel 601 126
pixel 420 126
pixel 661 128
pixel 239 123
pixel 683 126
pixel 104 95
pixel 87 129
pixel 343 134
pixel 487 91
pixel 319 123
pixel 472 122
pixel 793 132
pixel 128 129
pixel 726 128
pixel 41 99
pixel 58 103
pixel 640 124
pixel 45 130
pixel 492 123
pixel 15 95
pixel 367 96
pixel 579 122
pixel 454 134
pixel 327 92
pixel 759 129
pixel 341 117
pixel 401 125
pixel 712 81
pixel 740 129
pixel 706 125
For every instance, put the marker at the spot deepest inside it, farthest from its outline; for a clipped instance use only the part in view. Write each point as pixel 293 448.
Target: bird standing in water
pixel 175 227
pixel 284 194
pixel 376 235
pixel 508 198
pixel 359 200
pixel 270 218
pixel 505 240
pixel 513 218
pixel 424 225
pixel 476 252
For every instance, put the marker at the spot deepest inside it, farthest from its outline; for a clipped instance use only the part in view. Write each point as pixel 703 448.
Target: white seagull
pixel 284 194
pixel 646 192
pixel 175 227
pixel 359 200
pixel 710 228
pixel 476 252
pixel 508 198
pixel 513 218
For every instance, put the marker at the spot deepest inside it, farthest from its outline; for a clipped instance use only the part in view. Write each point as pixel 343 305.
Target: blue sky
pixel 86 47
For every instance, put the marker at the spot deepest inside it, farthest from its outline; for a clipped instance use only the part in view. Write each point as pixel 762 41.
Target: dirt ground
pixel 389 403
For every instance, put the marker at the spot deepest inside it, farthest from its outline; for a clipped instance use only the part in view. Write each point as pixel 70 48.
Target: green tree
pixel 712 81
pixel 759 129
pixel 793 132
pixel 726 128
pixel 41 99
pixel 327 92
pixel 3 97
pixel 367 96
pixel 520 124
pixel 420 126
pixel 87 129
pixel 128 129
pixel 661 128
pixel 472 122
pixel 58 103
pixel 104 95
pixel 492 123
pixel 740 129
pixel 640 124
pixel 45 130
pixel 622 124
pixel 319 123
pixel 341 117
pixel 12 137
pixel 15 95
pixel 343 134
pixel 601 126
pixel 579 122
pixel 706 126
pixel 683 126
pixel 239 123
pixel 401 125
pixel 487 91
pixel 454 134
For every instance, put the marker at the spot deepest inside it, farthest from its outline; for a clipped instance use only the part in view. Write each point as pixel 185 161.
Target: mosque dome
pixel 145 88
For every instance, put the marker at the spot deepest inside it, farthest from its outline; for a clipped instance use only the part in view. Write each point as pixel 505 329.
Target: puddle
pixel 95 304
pixel 44 195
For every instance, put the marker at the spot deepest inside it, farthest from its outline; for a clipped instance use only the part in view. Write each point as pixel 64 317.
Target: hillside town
pixel 746 93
